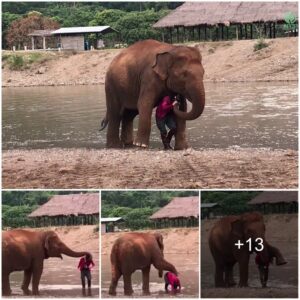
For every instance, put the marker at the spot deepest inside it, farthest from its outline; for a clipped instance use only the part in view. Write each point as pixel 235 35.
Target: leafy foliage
pixel 135 207
pixel 260 44
pixel 231 202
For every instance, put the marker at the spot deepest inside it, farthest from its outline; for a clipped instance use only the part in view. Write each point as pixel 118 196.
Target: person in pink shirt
pixel 165 118
pixel 173 280
pixel 85 265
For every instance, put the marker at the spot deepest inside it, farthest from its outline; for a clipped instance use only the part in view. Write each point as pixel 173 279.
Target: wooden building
pixel 179 212
pixel 275 202
pixel 209 210
pixel 74 38
pixel 44 36
pixel 110 224
pixel 64 210
pixel 226 20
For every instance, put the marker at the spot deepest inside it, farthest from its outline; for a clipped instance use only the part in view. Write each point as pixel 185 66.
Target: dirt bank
pixel 187 240
pixel 81 168
pixel 281 232
pixel 223 61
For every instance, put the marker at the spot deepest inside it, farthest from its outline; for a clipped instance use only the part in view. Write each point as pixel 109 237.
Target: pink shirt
pixel 173 279
pixel 164 107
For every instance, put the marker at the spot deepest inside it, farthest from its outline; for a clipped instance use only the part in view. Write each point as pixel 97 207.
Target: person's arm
pixel 92 264
pixel 79 264
pixel 166 104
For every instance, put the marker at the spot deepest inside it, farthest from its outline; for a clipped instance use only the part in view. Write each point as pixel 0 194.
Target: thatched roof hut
pixel 275 197
pixel 181 211
pixel 213 13
pixel 69 209
pixel 276 202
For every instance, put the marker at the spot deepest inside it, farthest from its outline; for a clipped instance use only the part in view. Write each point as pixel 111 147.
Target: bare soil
pixel 223 61
pixel 187 240
pixel 82 168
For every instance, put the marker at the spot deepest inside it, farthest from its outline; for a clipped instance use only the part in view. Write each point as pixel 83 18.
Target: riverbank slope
pixel 223 61
pixel 135 168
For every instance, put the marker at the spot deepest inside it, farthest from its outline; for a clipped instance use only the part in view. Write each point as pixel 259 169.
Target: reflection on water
pixel 186 264
pixel 60 278
pixel 285 276
pixel 236 114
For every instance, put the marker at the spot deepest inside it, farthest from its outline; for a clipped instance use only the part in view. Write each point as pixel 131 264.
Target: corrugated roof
pixel 87 29
pixel 107 220
pixel 208 205
pixel 179 207
pixel 73 204
pixel 44 32
pixel 211 13
pixel 275 197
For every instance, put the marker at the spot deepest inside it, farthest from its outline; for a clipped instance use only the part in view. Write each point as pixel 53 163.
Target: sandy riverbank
pixel 82 168
pixel 223 61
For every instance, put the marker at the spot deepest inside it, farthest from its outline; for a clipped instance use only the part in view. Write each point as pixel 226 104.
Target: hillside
pixel 223 61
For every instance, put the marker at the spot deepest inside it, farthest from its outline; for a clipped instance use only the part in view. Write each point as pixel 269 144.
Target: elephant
pixel 223 240
pixel 24 250
pixel 138 78
pixel 137 251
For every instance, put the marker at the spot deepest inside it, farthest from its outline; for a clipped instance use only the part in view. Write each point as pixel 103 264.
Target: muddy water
pixel 186 264
pixel 236 114
pixel 280 277
pixel 60 278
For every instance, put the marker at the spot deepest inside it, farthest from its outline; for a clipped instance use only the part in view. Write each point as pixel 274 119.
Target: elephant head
pixel 182 71
pixel 54 247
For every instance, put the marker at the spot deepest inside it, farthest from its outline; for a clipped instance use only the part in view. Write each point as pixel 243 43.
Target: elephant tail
pixel 104 123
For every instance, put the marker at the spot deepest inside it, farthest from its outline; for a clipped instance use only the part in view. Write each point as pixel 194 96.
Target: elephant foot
pixel 35 293
pixel 112 291
pixel 146 293
pixel 181 145
pixel 129 145
pixel 140 145
pixel 114 144
pixel 128 293
pixel 27 292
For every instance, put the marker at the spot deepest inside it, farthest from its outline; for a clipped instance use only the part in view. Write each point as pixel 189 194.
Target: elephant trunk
pixel 67 251
pixel 197 98
pixel 164 265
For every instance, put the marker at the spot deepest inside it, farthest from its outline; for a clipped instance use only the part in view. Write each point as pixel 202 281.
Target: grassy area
pixel 22 60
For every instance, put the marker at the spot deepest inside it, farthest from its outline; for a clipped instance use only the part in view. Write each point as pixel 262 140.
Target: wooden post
pixel 237 32
pixel 177 32
pixel 251 31
pixel 205 32
pixel 183 34
pixel 274 30
pixel 193 33
pixel 227 32
pixel 217 33
pixel 270 28
pixel 222 29
pixel 265 29
pixel 170 32
pixel 241 31
pixel 246 34
pixel 199 32
pixel 44 42
pixel 32 42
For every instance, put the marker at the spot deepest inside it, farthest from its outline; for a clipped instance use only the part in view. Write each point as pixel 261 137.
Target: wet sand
pixel 83 168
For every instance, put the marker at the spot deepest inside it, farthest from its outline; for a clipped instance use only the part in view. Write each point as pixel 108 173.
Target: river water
pixel 186 264
pixel 60 278
pixel 252 115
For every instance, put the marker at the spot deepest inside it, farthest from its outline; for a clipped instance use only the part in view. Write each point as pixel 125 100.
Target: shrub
pixel 260 44
pixel 16 62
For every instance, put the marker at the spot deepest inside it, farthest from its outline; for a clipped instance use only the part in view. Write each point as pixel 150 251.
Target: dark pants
pixel 169 121
pixel 86 273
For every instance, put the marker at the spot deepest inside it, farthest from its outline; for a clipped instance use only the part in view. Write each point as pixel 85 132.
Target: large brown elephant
pixel 222 239
pixel 139 77
pixel 24 250
pixel 137 251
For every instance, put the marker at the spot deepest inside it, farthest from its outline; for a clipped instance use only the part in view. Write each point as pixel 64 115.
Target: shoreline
pixel 135 168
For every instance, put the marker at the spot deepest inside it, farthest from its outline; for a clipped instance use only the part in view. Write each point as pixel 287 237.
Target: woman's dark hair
pixel 88 256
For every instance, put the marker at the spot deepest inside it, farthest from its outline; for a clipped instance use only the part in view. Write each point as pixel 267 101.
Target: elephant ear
pixel 237 228
pixel 160 241
pixel 163 62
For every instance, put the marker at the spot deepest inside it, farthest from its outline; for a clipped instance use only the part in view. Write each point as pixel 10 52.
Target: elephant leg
pixel 127 126
pixel 219 276
pixel 229 280
pixel 113 131
pixel 244 269
pixel 36 276
pixel 144 126
pixel 146 278
pixel 180 136
pixel 26 282
pixel 116 274
pixel 128 291
pixel 6 291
